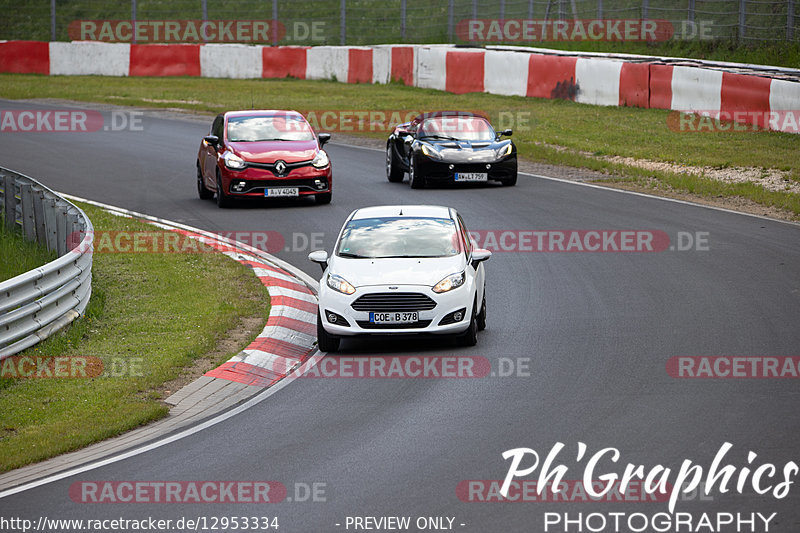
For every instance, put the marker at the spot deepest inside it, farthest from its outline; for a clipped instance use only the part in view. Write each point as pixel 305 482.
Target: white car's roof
pixel 434 211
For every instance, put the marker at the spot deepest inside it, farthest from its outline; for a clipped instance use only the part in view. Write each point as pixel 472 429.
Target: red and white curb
pixel 289 337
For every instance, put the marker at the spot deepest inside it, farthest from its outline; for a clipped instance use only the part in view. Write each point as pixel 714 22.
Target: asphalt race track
pixel 596 330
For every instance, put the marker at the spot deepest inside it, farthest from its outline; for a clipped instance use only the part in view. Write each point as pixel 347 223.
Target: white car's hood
pixel 396 271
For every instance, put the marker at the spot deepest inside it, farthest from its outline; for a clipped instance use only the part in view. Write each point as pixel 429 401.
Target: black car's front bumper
pixel 445 171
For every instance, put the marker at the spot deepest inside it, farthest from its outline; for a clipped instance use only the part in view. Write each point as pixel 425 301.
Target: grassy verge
pixel 150 316
pixel 552 131
pixel 20 255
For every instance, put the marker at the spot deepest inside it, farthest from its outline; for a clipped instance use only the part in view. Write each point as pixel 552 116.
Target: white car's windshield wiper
pixel 355 256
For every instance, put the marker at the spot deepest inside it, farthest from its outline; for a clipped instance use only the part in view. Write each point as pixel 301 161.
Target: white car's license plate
pixel 393 317
pixel 472 176
pixel 282 191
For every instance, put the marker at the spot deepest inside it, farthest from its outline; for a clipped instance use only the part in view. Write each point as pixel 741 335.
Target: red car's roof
pixel 261 112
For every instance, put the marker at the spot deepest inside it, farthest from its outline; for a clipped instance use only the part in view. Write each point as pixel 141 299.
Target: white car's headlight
pixel 431 152
pixel 453 281
pixel 320 160
pixel 340 284
pixel 233 161
pixel 504 151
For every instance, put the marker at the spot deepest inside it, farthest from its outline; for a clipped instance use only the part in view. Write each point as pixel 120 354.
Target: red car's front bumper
pixel 253 182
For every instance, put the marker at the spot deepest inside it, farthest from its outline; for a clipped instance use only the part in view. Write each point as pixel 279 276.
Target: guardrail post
pixel 52 20
pixel 645 9
pixel 38 216
pixel 599 9
pixel 61 230
pixel 26 197
pixel 450 20
pixel 790 20
pixel 343 22
pixel 50 224
pixel 274 25
pixel 403 20
pixel 690 13
pixel 10 203
pixel 742 11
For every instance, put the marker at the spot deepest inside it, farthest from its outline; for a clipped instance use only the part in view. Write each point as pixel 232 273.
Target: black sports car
pixel 450 147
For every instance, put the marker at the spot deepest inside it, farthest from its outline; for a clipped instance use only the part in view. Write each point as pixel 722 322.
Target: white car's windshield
pixel 399 237
pixel 269 128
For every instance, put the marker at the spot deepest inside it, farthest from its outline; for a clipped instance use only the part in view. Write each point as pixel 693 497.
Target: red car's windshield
pixel 269 128
pixel 467 128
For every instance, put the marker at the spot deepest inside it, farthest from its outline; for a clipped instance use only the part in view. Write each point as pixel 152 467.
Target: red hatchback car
pixel 268 153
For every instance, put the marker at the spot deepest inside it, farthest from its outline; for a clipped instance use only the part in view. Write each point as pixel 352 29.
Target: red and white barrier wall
pixel 591 80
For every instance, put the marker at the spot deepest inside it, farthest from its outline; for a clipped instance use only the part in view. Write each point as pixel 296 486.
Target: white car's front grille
pixel 390 301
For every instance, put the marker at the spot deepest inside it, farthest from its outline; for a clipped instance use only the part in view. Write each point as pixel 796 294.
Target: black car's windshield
pixel 399 237
pixel 269 128
pixel 457 127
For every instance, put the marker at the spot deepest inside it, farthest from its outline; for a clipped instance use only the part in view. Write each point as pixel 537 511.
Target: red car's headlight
pixel 320 160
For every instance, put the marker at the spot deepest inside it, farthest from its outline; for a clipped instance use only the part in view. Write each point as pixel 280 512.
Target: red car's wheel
pixel 223 200
pixel 202 191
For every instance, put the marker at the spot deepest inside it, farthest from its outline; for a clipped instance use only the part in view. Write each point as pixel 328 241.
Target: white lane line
pixel 157 444
pixel 621 191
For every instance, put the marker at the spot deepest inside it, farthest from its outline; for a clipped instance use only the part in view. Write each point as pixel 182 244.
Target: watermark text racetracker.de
pixel 595 240
pixel 198 31
pixel 598 30
pixel 406 367
pixel 68 121
pixel 70 367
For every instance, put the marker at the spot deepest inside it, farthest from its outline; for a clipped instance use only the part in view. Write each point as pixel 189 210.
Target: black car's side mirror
pixel 323 138
pixel 507 133
pixel 213 140
pixel 408 139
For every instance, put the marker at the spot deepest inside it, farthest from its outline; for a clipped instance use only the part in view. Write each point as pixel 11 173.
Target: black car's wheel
pixel 511 181
pixel 223 200
pixel 481 318
pixel 202 191
pixel 324 198
pixel 414 178
pixel 393 173
pixel 325 341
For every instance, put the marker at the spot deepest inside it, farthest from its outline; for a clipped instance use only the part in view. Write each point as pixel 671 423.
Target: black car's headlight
pixel 453 281
pixel 320 160
pixel 504 151
pixel 234 162
pixel 339 284
pixel 431 152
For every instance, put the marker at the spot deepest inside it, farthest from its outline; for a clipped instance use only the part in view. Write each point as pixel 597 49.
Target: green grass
pixel 157 312
pixel 19 255
pixel 556 131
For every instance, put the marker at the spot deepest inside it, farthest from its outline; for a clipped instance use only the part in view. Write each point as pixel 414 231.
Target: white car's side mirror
pixel 320 257
pixel 480 255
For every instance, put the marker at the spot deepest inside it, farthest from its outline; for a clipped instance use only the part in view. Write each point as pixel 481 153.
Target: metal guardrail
pixel 39 302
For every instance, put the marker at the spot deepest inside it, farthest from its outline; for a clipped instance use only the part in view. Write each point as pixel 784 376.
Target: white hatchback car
pixel 401 269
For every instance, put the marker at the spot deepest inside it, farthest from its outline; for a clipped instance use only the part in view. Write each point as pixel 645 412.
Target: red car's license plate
pixel 282 191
